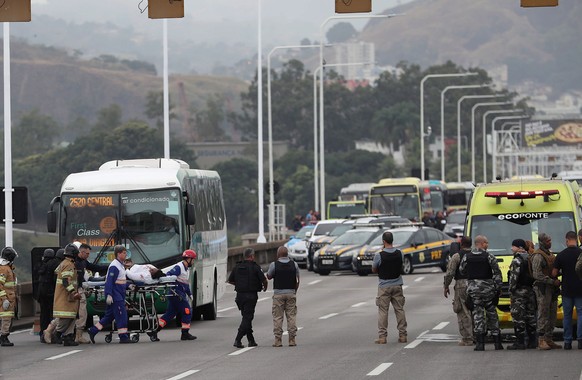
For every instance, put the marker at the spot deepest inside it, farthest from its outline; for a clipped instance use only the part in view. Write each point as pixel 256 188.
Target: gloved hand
pixel 109 300
pixel 5 304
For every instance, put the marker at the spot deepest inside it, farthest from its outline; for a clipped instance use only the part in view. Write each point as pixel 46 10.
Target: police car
pixel 338 254
pixel 421 247
pixel 324 233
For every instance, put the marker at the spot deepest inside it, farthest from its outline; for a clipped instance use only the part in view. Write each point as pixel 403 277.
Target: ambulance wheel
pixel 135 338
pixel 108 338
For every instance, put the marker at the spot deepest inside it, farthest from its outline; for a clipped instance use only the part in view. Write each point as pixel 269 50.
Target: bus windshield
pixel 527 226
pixel 405 205
pixel 146 222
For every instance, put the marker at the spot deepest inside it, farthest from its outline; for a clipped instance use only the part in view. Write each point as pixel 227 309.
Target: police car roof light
pixel 368 225
pixel 521 194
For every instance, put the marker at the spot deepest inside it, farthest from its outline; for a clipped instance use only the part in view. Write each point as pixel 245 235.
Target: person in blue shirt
pixel 115 286
pixel 179 302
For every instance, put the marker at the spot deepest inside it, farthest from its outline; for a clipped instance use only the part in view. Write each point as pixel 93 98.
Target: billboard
pixel 565 132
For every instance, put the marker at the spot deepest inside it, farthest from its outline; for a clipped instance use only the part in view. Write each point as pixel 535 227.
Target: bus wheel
pixel 407 265
pixel 210 311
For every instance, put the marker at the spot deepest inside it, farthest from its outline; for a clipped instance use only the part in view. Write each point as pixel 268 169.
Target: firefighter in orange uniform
pixel 7 294
pixel 66 305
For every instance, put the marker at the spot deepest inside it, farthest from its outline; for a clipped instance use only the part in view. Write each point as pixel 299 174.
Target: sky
pixel 212 21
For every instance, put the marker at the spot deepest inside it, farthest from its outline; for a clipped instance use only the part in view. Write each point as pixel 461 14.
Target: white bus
pixel 156 208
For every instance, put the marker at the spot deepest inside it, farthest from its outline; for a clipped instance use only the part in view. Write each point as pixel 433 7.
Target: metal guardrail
pixel 265 253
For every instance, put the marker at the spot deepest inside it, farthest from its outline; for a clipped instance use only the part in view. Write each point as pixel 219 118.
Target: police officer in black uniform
pixel 248 279
pixel 46 288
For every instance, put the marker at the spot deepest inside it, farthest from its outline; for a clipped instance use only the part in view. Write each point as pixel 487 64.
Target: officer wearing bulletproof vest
pixel 522 297
pixel 285 273
pixel 46 288
pixel 388 265
pixel 248 279
pixel 483 288
pixel 464 318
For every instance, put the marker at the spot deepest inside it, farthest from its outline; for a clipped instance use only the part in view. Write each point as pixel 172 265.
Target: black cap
pixel 48 253
pixel 520 243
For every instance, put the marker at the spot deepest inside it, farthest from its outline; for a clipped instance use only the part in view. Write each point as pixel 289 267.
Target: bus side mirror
pixel 51 221
pixel 190 215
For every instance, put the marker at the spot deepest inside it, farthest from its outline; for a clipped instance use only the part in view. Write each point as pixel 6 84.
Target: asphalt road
pixel 337 327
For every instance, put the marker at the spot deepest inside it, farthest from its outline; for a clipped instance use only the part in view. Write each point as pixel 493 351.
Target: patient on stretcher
pixel 142 273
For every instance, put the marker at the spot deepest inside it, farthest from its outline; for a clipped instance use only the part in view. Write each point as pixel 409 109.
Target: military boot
pixel 79 338
pixel 543 345
pixel 553 345
pixel 519 343
pixel 58 338
pixel 278 342
pixel 480 346
pixel 292 342
pixel 532 340
pixel 69 340
pixel 251 339
pixel 186 335
pixel 497 342
pixel 4 342
pixel 380 340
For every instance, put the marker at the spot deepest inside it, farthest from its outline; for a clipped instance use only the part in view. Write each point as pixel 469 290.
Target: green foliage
pixel 209 121
pixel 341 32
pixel 34 133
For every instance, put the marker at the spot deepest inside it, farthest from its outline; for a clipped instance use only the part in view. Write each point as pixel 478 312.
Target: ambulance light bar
pixel 521 194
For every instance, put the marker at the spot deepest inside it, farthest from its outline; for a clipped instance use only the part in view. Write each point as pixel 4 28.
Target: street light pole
pixel 473 131
pixel 497 136
pixel 261 238
pixel 485 136
pixel 166 92
pixel 8 221
pixel 443 92
pixel 321 107
pixel 494 153
pixel 270 134
pixel 424 79
pixel 459 102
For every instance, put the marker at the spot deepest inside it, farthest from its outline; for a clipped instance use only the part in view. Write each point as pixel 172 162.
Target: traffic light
pixel 276 187
pixel 353 6
pixel 15 11
pixel 19 205
pixel 165 8
pixel 539 3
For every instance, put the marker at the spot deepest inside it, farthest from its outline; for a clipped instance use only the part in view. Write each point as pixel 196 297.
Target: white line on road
pixel 440 326
pixel 287 332
pixel 184 374
pixel 404 287
pixel 63 355
pixel 226 309
pixel 20 331
pixel 241 351
pixel 314 282
pixel 414 343
pixel 264 298
pixel 328 316
pixel 378 370
pixel 435 271
pixel 419 279
pixel 359 304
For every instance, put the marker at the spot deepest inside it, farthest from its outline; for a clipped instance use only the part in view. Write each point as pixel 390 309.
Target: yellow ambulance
pixel 522 209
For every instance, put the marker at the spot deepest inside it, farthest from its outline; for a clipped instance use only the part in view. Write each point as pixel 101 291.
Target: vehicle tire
pixel 362 273
pixel 108 338
pixel 135 338
pixel 445 263
pixel 323 272
pixel 210 311
pixel 407 265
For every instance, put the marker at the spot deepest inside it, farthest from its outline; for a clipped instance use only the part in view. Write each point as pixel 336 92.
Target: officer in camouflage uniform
pixel 522 296
pixel 546 289
pixel 464 318
pixel 483 287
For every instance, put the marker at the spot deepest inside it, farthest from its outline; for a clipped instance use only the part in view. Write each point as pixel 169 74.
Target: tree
pixel 209 121
pixel 34 133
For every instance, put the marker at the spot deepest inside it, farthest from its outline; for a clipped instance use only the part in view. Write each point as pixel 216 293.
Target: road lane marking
pixel 378 370
pixel 440 326
pixel 314 282
pixel 287 332
pixel 264 298
pixel 226 309
pixel 419 279
pixel 435 271
pixel 184 374
pixel 63 355
pixel 21 331
pixel 404 287
pixel 328 316
pixel 414 343
pixel 241 351
pixel 359 304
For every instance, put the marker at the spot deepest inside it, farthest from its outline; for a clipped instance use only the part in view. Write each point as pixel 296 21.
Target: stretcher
pixel 140 303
